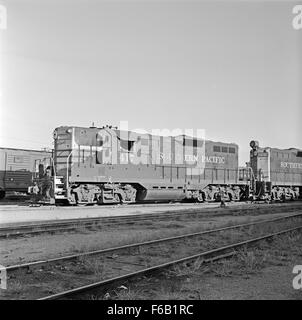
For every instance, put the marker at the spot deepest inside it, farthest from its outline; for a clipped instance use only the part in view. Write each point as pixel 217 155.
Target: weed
pixel 90 266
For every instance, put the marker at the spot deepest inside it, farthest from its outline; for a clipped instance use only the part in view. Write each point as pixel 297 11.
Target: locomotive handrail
pixel 252 176
pixel 67 168
pixel 53 166
pixel 41 161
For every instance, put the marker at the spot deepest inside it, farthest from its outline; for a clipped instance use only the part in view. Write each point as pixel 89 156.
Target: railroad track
pixel 9 206
pixel 137 259
pixel 208 256
pixel 54 226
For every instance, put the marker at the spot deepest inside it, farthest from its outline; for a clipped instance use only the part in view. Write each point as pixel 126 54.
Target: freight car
pixel 277 172
pixel 107 165
pixel 17 167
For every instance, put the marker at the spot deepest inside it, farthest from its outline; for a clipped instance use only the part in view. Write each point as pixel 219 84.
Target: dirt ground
pixel 33 248
pixel 271 283
pixel 255 274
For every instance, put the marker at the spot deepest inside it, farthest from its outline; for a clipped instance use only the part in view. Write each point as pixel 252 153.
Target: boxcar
pixel 17 167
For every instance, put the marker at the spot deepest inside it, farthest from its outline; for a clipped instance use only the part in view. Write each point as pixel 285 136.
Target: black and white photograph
pixel 150 153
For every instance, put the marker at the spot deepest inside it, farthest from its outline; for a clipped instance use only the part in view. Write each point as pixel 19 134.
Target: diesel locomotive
pixel 278 172
pixel 108 165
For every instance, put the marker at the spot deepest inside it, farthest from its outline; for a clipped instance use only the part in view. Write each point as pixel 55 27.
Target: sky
pixel 232 68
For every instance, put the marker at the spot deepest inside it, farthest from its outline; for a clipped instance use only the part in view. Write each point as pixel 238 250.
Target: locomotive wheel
pixel 200 198
pixel 217 197
pixel 117 198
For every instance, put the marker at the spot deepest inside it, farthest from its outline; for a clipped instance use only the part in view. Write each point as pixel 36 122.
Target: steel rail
pixel 218 251
pixel 65 225
pixel 205 205
pixel 145 243
pixel 70 224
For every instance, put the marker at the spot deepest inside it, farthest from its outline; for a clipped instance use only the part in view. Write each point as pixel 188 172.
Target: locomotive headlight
pixel 55 135
pixel 254 144
pixel 69 130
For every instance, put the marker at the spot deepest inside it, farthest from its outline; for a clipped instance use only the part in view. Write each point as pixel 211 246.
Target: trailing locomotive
pixel 277 172
pixel 18 167
pixel 107 165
